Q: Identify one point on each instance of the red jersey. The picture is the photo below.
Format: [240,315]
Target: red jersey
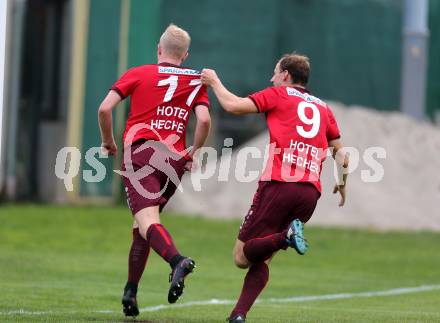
[300,126]
[162,97]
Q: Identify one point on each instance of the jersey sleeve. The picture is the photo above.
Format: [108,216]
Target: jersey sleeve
[332,128]
[126,83]
[202,98]
[265,100]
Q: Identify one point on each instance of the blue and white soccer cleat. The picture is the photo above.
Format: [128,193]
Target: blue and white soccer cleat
[295,237]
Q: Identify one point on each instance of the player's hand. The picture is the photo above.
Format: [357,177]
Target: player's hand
[188,165]
[191,165]
[341,190]
[208,77]
[109,149]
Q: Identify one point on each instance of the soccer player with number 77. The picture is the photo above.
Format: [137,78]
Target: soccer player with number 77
[163,95]
[301,128]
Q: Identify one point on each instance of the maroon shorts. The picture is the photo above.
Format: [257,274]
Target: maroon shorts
[275,205]
[158,173]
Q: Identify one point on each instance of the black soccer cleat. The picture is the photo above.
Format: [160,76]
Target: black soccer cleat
[177,276]
[129,303]
[240,318]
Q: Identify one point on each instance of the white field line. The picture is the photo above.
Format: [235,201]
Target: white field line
[297,299]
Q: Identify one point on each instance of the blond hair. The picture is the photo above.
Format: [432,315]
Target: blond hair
[175,41]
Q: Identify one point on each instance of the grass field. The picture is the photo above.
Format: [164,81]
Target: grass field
[62,264]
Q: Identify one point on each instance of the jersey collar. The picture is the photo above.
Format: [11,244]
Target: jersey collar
[168,64]
[301,89]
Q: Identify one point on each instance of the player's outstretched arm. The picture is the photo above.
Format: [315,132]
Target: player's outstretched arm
[203,125]
[342,160]
[228,100]
[105,122]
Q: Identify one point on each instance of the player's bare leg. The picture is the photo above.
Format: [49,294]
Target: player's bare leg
[145,218]
[255,281]
[240,259]
[160,240]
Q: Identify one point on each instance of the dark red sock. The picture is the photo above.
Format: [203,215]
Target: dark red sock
[260,249]
[254,282]
[160,240]
[137,258]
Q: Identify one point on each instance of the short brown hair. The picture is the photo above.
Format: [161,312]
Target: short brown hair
[175,41]
[298,67]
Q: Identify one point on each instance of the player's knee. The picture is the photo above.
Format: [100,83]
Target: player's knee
[143,228]
[143,232]
[240,261]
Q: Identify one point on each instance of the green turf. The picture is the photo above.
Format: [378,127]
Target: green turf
[71,262]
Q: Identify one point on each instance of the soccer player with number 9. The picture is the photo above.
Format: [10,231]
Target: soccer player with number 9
[301,128]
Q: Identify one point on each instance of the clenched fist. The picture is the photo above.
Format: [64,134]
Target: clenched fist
[209,77]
